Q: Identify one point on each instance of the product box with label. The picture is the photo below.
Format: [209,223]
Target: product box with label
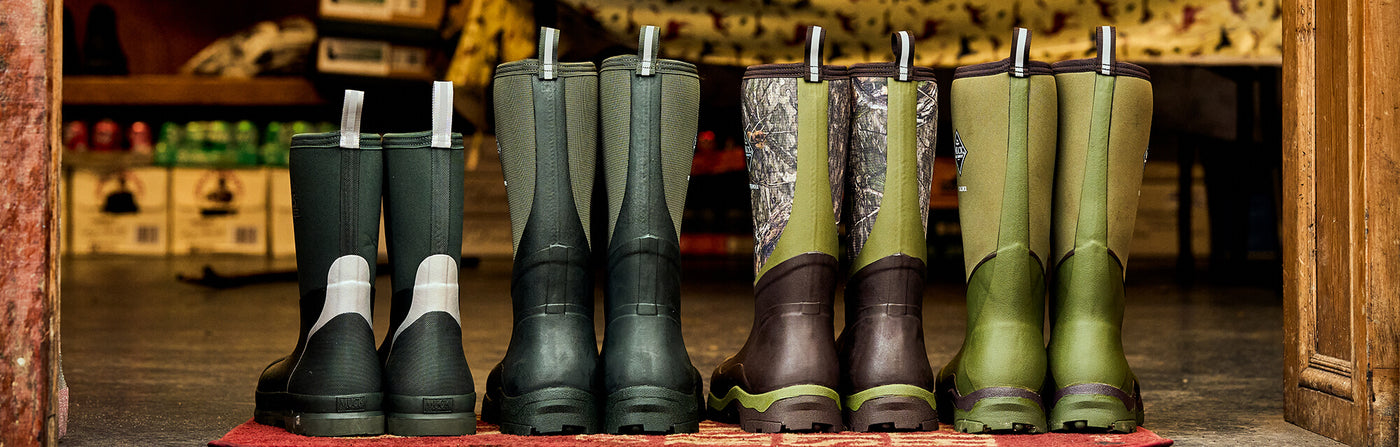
[218,211]
[408,13]
[360,57]
[121,211]
[280,228]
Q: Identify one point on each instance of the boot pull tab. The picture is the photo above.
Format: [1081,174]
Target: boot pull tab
[442,114]
[903,44]
[1106,41]
[350,119]
[549,53]
[1020,51]
[648,46]
[813,56]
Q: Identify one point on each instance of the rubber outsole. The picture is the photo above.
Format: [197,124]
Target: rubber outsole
[312,415]
[893,413]
[796,414]
[1093,413]
[548,411]
[452,415]
[652,410]
[1001,415]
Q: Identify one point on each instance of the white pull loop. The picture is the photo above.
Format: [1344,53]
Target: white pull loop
[549,53]
[442,114]
[1105,40]
[648,46]
[903,45]
[350,112]
[1020,51]
[813,57]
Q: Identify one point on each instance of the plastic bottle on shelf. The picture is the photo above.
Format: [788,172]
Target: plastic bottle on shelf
[276,143]
[75,136]
[106,136]
[244,145]
[172,137]
[139,135]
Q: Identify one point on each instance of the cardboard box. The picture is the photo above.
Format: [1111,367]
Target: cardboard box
[218,211]
[280,228]
[486,235]
[123,211]
[409,13]
[338,55]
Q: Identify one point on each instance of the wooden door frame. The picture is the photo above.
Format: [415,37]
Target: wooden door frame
[1352,399]
[30,87]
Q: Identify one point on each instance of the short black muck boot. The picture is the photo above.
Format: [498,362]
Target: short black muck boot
[330,384]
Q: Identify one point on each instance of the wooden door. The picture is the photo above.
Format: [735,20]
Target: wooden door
[1341,193]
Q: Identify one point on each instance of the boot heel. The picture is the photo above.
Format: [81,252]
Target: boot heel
[652,410]
[1001,415]
[1093,413]
[892,408]
[431,415]
[800,414]
[549,411]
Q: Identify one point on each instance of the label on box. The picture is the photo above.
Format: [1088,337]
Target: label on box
[366,9]
[219,211]
[120,211]
[412,8]
[354,56]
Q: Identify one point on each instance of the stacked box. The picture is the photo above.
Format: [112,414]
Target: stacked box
[218,211]
[405,13]
[121,211]
[485,211]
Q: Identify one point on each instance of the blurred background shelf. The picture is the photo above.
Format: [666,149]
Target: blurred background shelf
[181,90]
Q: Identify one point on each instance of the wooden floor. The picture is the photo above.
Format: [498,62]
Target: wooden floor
[153,361]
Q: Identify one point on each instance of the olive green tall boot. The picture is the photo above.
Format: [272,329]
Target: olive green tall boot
[428,388]
[1105,121]
[650,114]
[547,133]
[330,385]
[886,381]
[1004,143]
[796,129]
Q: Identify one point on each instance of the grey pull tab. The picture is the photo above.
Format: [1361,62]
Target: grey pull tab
[813,57]
[648,46]
[442,114]
[1106,41]
[1020,51]
[350,119]
[903,45]
[549,53]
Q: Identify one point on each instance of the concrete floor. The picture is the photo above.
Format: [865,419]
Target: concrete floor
[153,361]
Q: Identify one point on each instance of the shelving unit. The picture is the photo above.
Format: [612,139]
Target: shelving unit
[181,90]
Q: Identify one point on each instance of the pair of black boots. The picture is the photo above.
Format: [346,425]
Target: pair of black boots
[553,379]
[334,383]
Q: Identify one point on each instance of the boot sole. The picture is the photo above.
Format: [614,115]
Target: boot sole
[307,415]
[548,411]
[652,410]
[794,409]
[1093,413]
[892,408]
[431,415]
[997,415]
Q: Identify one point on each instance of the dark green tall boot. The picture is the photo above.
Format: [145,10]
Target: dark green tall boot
[796,129]
[330,385]
[1105,120]
[887,383]
[649,128]
[546,130]
[428,388]
[1004,141]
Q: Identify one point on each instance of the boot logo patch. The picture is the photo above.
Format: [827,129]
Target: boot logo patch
[959,151]
[351,403]
[437,405]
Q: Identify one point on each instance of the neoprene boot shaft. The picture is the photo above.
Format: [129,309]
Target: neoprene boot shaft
[796,127]
[887,383]
[546,114]
[427,384]
[1004,124]
[330,385]
[1105,122]
[650,114]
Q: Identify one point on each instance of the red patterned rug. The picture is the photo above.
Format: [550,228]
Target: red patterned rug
[252,434]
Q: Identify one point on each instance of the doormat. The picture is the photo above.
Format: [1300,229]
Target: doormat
[252,434]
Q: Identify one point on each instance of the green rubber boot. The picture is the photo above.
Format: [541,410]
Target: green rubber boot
[428,388]
[330,385]
[547,124]
[887,383]
[796,129]
[1004,141]
[649,128]
[1105,121]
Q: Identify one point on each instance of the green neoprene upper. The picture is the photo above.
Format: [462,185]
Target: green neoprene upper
[899,227]
[811,227]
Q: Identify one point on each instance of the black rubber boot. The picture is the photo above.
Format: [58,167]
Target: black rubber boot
[546,114]
[649,134]
[887,383]
[796,129]
[428,388]
[330,385]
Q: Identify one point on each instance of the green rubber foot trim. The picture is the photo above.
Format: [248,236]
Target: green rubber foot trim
[854,401]
[1001,415]
[761,402]
[1093,413]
